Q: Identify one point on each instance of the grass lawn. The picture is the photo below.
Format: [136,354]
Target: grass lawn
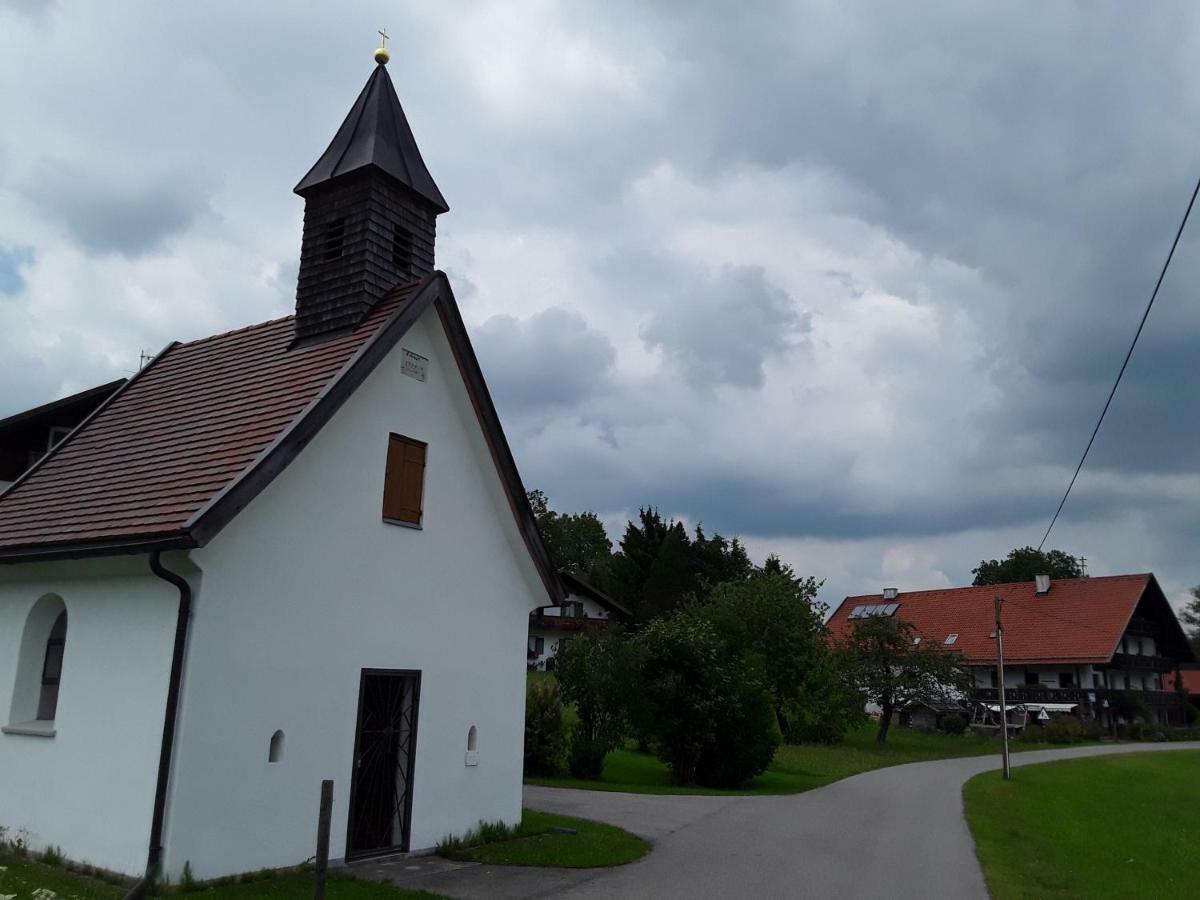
[1112,826]
[796,768]
[536,844]
[21,877]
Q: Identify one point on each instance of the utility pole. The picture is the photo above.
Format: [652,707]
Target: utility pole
[1000,681]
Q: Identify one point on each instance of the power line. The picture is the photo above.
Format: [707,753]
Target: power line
[1128,354]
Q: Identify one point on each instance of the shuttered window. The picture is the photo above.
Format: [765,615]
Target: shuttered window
[404,483]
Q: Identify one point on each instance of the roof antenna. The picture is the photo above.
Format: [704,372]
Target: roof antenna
[381,54]
[1083,573]
[143,358]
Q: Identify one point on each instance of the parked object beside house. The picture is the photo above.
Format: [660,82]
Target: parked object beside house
[584,609]
[292,552]
[1099,647]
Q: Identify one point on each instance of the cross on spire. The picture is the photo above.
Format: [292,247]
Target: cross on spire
[383,36]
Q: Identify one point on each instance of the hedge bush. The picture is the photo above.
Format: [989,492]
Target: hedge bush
[953,724]
[545,728]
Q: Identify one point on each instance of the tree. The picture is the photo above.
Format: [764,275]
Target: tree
[1023,563]
[593,672]
[653,574]
[1190,617]
[889,668]
[772,623]
[576,541]
[704,707]
[545,727]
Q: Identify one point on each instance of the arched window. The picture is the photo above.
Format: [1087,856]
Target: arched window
[472,739]
[52,669]
[275,754]
[40,665]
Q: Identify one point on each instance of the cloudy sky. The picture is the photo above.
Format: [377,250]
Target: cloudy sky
[849,282]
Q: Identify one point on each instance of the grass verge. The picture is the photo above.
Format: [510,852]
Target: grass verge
[796,768]
[1110,826]
[23,876]
[577,844]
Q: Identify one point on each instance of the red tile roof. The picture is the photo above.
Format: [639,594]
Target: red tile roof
[188,426]
[1078,621]
[1191,681]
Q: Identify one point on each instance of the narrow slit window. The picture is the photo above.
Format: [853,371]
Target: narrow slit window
[52,669]
[335,239]
[275,753]
[404,481]
[472,739]
[402,250]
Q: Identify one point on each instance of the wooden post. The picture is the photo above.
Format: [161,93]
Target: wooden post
[1000,679]
[323,820]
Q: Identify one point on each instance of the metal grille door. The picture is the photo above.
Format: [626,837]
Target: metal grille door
[381,790]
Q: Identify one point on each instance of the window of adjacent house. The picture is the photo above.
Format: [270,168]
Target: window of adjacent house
[537,645]
[1031,678]
[1066,679]
[54,438]
[950,639]
[404,481]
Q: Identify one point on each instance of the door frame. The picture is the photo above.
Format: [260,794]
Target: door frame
[403,846]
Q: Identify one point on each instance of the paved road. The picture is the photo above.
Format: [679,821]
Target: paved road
[894,833]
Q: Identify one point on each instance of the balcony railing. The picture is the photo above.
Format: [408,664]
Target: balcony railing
[1035,695]
[1145,663]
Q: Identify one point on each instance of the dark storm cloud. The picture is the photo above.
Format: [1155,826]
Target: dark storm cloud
[1044,150]
[110,214]
[721,329]
[550,359]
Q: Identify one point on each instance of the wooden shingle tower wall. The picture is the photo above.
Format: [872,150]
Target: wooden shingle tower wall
[370,215]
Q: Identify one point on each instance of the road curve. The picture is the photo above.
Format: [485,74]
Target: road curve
[897,832]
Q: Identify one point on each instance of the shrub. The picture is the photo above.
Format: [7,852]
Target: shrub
[954,724]
[1130,706]
[1065,730]
[703,707]
[825,709]
[593,674]
[1191,713]
[1032,734]
[545,728]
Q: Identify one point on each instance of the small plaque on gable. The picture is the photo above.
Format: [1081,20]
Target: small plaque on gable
[414,365]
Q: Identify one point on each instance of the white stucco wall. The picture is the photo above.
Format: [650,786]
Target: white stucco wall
[308,586]
[89,789]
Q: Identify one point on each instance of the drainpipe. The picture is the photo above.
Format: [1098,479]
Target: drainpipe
[154,857]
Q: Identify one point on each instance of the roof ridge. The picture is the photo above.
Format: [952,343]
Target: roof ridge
[1005,584]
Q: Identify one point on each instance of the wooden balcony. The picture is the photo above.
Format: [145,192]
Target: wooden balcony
[1143,663]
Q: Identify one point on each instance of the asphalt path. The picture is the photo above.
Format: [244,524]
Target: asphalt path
[891,833]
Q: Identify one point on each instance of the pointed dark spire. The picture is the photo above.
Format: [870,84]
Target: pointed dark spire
[376,133]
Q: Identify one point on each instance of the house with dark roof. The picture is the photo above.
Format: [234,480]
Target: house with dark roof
[296,551]
[584,609]
[1093,646]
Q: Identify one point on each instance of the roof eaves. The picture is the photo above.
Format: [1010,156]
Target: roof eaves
[599,596]
[84,549]
[208,521]
[485,411]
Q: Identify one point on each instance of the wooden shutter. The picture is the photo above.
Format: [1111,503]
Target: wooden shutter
[404,483]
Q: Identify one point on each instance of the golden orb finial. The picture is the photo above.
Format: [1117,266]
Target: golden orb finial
[381,54]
